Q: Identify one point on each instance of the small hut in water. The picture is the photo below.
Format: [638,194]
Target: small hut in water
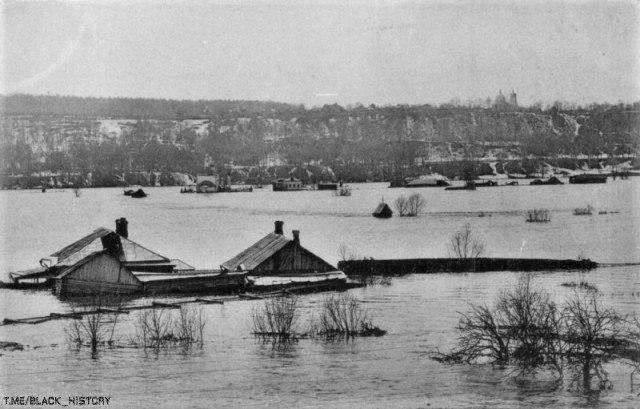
[383,211]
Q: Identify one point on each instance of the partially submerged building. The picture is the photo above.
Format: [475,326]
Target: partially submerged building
[107,261]
[382,211]
[274,254]
[277,262]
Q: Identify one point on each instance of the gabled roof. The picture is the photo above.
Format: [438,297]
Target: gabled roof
[91,243]
[134,252]
[382,207]
[258,253]
[82,243]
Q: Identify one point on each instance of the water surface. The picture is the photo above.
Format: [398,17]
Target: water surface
[420,312]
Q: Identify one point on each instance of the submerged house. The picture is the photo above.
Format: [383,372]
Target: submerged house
[382,211]
[274,254]
[275,262]
[108,262]
[284,185]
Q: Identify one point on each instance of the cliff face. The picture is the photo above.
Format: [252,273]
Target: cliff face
[160,135]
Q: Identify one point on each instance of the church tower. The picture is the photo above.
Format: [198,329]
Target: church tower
[513,99]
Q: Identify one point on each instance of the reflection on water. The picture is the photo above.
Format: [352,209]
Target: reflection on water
[419,311]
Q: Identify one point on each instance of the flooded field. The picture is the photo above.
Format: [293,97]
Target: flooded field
[420,312]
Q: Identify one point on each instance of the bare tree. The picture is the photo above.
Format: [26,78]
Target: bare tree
[527,329]
[532,321]
[410,206]
[481,336]
[464,244]
[593,334]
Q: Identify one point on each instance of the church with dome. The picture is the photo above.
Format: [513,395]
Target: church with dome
[501,103]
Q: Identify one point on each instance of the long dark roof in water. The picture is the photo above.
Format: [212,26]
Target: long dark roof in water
[253,256]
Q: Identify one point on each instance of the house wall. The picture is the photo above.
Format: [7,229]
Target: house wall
[103,274]
[292,259]
[223,283]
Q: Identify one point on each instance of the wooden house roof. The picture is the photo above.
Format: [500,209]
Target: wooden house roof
[91,243]
[253,256]
[82,243]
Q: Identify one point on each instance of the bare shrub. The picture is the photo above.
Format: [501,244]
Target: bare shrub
[96,324]
[401,205]
[538,216]
[343,316]
[161,328]
[464,244]
[416,204]
[189,326]
[153,328]
[410,206]
[277,318]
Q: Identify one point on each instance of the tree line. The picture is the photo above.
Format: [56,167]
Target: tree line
[61,134]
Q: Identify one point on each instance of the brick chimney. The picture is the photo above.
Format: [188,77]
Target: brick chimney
[121,227]
[278,229]
[296,236]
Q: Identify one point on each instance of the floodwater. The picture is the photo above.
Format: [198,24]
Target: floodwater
[420,312]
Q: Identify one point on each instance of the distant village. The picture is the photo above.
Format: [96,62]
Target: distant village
[69,141]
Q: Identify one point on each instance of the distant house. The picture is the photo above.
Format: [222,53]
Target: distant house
[383,211]
[283,185]
[274,254]
[207,183]
[108,262]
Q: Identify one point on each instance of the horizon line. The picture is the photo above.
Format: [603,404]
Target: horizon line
[455,101]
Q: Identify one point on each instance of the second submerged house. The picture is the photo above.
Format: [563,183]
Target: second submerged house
[274,254]
[275,262]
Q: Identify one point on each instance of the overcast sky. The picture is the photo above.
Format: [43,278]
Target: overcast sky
[323,52]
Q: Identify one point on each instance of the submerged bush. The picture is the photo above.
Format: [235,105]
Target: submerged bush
[277,318]
[528,330]
[343,316]
[95,325]
[340,316]
[465,244]
[411,206]
[160,327]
